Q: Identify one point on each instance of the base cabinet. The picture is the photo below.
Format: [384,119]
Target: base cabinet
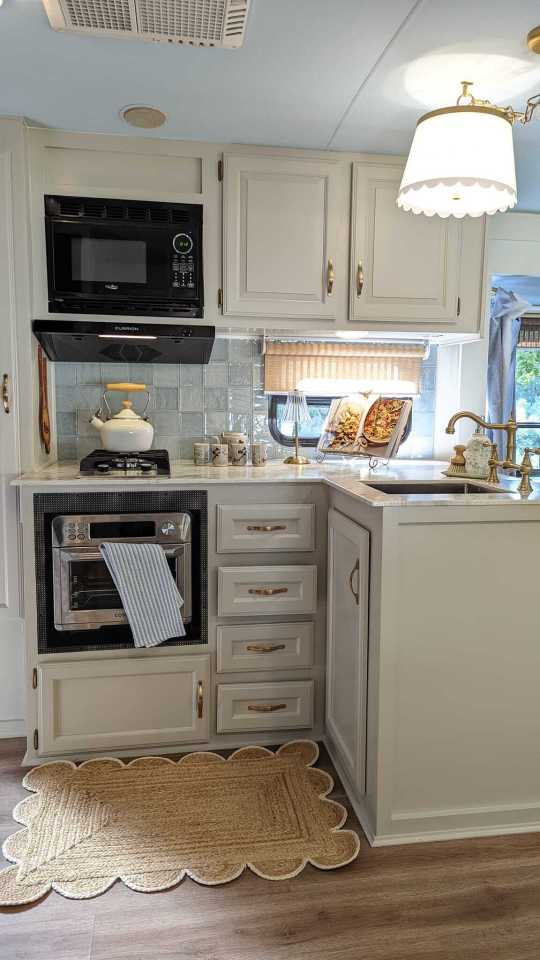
[117,703]
[346,670]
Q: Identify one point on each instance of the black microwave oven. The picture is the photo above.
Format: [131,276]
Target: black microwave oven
[126,257]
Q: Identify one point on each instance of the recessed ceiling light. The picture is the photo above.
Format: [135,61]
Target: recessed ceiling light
[144,117]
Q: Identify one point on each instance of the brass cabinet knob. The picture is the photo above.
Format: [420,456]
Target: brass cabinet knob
[330,278]
[267,591]
[200,700]
[359,279]
[264,647]
[266,528]
[5,393]
[266,707]
[355,593]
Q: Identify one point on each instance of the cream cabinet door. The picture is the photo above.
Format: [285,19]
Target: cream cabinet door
[12,251]
[415,270]
[285,237]
[122,702]
[347,638]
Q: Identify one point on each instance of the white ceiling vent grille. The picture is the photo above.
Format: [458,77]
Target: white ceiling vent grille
[206,23]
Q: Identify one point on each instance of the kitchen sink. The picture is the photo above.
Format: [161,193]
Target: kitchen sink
[435,488]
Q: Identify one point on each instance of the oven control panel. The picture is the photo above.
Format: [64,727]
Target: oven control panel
[90,530]
[183,262]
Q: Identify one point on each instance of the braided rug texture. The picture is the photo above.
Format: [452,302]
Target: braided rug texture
[153,821]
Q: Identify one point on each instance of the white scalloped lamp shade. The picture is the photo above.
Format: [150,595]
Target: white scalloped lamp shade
[461,163]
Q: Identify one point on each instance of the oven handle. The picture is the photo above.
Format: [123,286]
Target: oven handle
[86,553]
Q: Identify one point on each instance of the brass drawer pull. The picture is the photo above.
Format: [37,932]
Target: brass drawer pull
[200,700]
[265,647]
[5,393]
[330,277]
[267,591]
[359,279]
[268,528]
[266,707]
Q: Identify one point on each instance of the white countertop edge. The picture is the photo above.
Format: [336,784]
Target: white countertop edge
[347,477]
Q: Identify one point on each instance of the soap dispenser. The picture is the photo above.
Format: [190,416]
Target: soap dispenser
[477,454]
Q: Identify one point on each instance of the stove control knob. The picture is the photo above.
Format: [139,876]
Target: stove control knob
[168,528]
[103,467]
[145,466]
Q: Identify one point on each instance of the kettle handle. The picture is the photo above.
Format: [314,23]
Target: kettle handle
[126,388]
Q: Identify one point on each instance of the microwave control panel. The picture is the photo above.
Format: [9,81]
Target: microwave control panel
[183,264]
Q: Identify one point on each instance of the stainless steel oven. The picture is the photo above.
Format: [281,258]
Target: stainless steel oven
[85,597]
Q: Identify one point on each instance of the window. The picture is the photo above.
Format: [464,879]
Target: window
[325,370]
[528,385]
[309,433]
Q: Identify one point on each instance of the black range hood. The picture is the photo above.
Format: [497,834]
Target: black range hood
[130,342]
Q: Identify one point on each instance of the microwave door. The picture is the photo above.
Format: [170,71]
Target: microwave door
[85,596]
[109,261]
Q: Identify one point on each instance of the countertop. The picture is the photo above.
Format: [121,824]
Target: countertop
[350,477]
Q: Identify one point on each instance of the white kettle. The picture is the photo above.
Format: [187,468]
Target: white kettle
[126,431]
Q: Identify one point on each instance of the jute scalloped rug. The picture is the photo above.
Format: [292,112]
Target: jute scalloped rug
[153,821]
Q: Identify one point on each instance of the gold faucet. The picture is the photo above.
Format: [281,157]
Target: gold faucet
[510,429]
[524,468]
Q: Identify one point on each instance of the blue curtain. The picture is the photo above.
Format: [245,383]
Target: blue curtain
[506,312]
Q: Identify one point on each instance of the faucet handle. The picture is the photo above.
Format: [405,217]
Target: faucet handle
[493,463]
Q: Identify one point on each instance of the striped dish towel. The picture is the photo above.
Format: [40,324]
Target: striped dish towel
[147,589]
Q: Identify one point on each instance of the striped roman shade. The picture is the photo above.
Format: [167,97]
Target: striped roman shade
[529,333]
[287,365]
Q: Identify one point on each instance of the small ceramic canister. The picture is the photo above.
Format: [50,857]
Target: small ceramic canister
[220,455]
[238,453]
[201,453]
[259,454]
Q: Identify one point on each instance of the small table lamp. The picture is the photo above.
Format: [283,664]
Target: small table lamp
[296,411]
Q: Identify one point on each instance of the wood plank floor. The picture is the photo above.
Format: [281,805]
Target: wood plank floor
[463,900]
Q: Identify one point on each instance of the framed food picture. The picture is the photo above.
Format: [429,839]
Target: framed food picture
[366,425]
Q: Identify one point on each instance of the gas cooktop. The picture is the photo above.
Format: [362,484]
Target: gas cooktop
[107,463]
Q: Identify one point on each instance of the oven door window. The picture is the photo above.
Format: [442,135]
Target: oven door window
[91,586]
[112,261]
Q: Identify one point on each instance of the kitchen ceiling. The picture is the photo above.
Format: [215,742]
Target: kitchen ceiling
[346,75]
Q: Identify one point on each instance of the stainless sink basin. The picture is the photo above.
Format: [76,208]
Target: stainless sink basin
[433,489]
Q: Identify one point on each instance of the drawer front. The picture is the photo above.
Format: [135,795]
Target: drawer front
[264,706]
[264,646]
[264,591]
[278,526]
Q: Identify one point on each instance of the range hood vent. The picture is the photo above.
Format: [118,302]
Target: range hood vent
[82,341]
[203,23]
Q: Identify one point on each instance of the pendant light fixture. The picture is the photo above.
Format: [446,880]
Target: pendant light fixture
[461,161]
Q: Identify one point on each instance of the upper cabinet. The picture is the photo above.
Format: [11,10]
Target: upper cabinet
[289,228]
[285,237]
[411,272]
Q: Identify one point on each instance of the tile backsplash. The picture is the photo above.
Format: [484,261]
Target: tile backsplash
[192,400]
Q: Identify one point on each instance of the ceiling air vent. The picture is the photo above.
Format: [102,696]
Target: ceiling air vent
[203,23]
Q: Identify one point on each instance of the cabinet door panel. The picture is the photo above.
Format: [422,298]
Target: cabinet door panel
[283,221]
[346,677]
[100,704]
[410,264]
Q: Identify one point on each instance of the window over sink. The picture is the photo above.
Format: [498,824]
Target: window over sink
[312,370]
